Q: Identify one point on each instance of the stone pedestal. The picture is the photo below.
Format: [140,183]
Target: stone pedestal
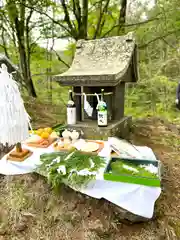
[91,130]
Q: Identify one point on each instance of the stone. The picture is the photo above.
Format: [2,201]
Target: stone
[123,216]
[2,238]
[3,229]
[91,130]
[102,62]
[108,64]
[20,227]
[96,226]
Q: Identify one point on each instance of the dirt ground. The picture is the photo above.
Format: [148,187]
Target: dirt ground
[29,210]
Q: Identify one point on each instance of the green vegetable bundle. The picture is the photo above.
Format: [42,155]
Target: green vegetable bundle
[118,168]
[73,163]
[59,128]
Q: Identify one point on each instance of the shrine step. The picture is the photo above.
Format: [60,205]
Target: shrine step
[91,130]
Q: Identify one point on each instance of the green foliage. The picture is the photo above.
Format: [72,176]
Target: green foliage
[158,42]
[118,168]
[152,97]
[73,162]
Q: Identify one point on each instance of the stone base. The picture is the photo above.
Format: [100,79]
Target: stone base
[125,216]
[91,130]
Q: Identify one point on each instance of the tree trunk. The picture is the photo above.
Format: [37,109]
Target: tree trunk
[31,88]
[84,19]
[122,17]
[25,68]
[4,43]
[17,17]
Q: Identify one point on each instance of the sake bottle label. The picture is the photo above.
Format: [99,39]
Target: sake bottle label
[71,115]
[102,114]
[102,118]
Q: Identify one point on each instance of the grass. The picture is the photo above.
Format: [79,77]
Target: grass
[29,210]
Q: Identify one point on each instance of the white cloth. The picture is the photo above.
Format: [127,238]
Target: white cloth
[135,198]
[14,119]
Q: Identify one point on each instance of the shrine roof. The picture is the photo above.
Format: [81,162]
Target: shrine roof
[102,62]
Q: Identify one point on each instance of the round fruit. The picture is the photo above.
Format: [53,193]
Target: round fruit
[49,130]
[39,131]
[45,135]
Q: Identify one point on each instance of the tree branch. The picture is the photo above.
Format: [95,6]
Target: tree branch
[4,44]
[67,19]
[77,12]
[99,20]
[159,38]
[166,42]
[131,25]
[60,59]
[33,44]
[53,20]
[105,10]
[122,16]
[28,52]
[84,28]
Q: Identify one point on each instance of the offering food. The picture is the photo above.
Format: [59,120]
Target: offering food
[63,145]
[48,130]
[90,147]
[66,134]
[43,138]
[54,135]
[45,135]
[33,138]
[74,135]
[39,131]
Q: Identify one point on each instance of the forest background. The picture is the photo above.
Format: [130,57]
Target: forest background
[40,38]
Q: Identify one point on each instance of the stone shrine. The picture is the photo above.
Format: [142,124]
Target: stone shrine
[108,64]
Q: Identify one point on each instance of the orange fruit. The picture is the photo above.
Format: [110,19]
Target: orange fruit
[45,135]
[49,130]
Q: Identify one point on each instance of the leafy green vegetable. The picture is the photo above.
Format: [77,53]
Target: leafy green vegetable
[59,128]
[117,168]
[73,162]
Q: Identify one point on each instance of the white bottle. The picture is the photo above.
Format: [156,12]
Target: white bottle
[71,110]
[102,112]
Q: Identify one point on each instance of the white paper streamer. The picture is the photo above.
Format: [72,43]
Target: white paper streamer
[87,106]
[14,119]
[98,100]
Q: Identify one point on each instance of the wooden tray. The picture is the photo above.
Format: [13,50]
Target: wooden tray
[38,145]
[101,146]
[19,158]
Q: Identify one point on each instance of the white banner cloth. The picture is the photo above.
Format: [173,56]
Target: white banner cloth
[135,198]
